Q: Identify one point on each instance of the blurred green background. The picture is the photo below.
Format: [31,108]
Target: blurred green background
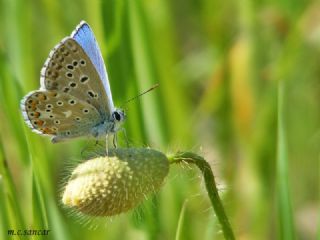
[239,84]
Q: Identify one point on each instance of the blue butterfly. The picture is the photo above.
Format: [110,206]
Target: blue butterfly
[74,99]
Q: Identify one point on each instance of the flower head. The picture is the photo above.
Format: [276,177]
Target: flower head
[113,184]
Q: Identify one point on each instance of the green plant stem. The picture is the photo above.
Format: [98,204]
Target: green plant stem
[212,190]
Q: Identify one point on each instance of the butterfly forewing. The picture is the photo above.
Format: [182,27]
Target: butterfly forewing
[86,39]
[69,70]
[59,114]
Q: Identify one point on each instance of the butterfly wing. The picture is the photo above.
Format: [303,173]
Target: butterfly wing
[69,69]
[86,39]
[75,95]
[58,114]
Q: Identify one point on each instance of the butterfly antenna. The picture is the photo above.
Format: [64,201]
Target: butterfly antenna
[150,89]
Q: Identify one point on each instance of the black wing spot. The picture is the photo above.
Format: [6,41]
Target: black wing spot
[72,102]
[66,89]
[69,75]
[69,66]
[91,94]
[84,79]
[58,67]
[73,84]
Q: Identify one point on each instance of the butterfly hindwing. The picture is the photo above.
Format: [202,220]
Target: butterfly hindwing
[69,70]
[59,114]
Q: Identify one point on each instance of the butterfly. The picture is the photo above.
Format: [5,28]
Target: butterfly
[74,99]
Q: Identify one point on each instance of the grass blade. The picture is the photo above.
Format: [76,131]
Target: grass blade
[286,229]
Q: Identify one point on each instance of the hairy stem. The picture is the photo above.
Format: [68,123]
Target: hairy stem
[212,190]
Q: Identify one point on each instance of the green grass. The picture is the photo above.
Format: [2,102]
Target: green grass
[286,230]
[239,84]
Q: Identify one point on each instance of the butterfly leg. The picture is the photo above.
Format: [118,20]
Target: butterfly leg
[125,135]
[115,140]
[107,144]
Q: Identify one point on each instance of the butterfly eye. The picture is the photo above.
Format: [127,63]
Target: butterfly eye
[117,116]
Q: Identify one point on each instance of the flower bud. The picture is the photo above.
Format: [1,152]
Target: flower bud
[113,184]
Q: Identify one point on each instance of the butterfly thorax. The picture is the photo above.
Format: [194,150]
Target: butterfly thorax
[110,125]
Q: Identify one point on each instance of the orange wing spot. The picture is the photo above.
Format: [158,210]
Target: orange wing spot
[42,97]
[48,131]
[33,104]
[39,122]
[32,107]
[36,114]
[52,94]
